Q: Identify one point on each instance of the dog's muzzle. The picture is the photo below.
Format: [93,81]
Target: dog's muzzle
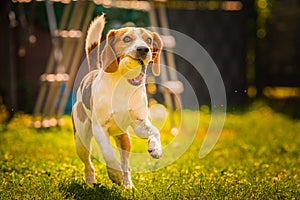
[142,52]
[140,79]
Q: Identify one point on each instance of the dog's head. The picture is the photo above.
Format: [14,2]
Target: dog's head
[137,43]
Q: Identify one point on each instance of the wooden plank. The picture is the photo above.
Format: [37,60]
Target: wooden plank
[169,54]
[163,71]
[69,46]
[76,58]
[50,66]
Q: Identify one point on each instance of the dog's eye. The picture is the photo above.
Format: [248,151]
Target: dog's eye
[127,39]
[149,40]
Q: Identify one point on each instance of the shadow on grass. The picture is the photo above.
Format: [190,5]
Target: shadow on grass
[98,191]
[289,107]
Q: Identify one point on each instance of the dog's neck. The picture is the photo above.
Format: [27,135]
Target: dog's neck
[119,83]
[121,91]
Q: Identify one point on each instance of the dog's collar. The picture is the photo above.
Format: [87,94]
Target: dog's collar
[140,79]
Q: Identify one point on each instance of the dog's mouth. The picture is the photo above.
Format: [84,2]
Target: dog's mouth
[139,79]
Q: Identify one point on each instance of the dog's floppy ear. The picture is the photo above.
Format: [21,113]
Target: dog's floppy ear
[109,60]
[156,50]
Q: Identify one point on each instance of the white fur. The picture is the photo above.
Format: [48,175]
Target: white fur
[93,36]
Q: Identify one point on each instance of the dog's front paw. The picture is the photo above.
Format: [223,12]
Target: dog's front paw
[128,184]
[154,147]
[127,180]
[155,153]
[115,175]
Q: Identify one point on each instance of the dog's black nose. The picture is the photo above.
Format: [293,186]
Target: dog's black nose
[142,52]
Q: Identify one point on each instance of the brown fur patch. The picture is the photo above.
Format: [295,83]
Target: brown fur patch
[125,142]
[92,46]
[73,123]
[86,88]
[91,102]
[81,112]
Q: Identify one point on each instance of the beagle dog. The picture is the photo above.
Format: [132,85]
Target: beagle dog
[108,101]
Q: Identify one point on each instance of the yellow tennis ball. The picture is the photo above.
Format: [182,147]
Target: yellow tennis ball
[130,68]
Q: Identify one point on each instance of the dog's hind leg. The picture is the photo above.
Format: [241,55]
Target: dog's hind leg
[83,136]
[83,151]
[124,145]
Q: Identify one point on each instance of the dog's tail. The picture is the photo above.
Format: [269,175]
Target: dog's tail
[93,40]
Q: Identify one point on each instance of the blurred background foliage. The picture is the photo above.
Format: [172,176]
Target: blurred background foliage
[256,48]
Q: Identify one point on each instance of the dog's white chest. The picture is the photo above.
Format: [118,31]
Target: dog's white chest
[114,106]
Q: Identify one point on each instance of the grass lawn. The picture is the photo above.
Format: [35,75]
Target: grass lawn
[256,157]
